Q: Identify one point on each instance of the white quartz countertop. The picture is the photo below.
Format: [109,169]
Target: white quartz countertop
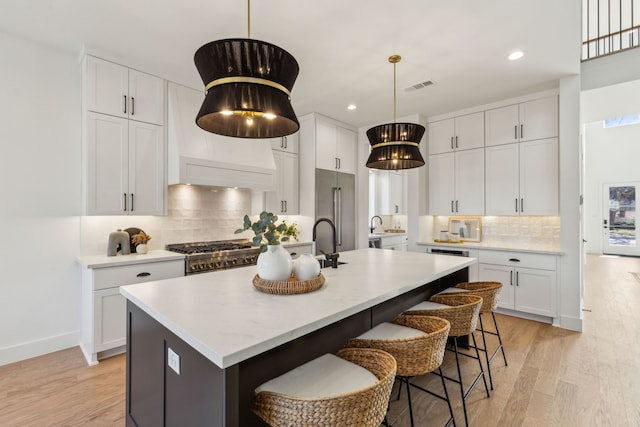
[225,318]
[101,261]
[515,246]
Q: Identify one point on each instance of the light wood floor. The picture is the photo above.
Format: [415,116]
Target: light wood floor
[555,377]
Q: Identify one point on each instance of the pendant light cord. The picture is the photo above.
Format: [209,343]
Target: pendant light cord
[394,92]
[248,19]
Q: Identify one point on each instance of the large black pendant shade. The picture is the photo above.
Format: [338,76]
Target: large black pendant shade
[248,86]
[395,146]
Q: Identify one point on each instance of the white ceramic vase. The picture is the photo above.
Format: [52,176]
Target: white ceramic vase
[142,248]
[306,267]
[275,263]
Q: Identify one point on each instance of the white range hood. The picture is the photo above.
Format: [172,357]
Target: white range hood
[203,158]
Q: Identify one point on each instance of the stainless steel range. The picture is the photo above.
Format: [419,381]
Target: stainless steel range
[203,257]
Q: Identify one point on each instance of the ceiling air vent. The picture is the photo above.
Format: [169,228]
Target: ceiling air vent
[419,86]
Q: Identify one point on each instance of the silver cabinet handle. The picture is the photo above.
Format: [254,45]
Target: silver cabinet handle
[286,144]
[521,131]
[515,132]
[133,105]
[517,278]
[131,202]
[124,197]
[336,159]
[456,206]
[286,208]
[521,205]
[339,163]
[516,204]
[456,141]
[281,206]
[511,278]
[125,104]
[452,211]
[452,143]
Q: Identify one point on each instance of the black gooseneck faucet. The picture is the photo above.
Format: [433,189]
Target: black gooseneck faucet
[334,255]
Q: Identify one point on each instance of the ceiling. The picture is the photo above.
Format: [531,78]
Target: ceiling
[342,46]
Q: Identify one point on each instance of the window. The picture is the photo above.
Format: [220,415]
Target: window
[622,121]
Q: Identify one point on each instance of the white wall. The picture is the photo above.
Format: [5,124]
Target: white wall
[39,221]
[603,148]
[611,156]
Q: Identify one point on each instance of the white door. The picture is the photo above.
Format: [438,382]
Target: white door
[441,184]
[504,275]
[620,235]
[346,142]
[441,136]
[502,192]
[147,160]
[469,185]
[539,177]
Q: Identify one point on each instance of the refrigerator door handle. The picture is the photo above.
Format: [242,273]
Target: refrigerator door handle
[339,217]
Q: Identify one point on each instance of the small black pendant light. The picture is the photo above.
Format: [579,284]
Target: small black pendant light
[395,145]
[248,87]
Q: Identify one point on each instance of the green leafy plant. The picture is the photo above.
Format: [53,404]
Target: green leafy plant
[265,229]
[290,230]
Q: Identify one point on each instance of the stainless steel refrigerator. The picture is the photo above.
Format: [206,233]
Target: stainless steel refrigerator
[336,200]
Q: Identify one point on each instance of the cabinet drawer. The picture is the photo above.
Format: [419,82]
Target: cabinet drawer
[393,240]
[110,277]
[540,261]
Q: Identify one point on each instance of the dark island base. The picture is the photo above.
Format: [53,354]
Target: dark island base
[205,395]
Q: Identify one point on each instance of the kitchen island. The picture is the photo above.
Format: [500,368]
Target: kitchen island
[197,346]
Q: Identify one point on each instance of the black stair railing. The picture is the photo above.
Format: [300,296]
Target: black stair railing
[609,26]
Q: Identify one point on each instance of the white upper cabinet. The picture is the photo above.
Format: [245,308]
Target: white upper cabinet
[522,178]
[528,121]
[285,199]
[125,166]
[456,183]
[123,92]
[460,133]
[287,143]
[389,196]
[335,147]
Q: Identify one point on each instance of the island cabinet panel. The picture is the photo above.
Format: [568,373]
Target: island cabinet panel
[145,368]
[205,394]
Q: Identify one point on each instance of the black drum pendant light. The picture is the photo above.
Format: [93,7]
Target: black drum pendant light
[395,145]
[248,87]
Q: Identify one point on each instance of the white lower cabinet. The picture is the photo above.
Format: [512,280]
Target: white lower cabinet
[529,281]
[395,243]
[297,249]
[104,319]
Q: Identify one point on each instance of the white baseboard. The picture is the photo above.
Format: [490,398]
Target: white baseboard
[571,323]
[35,348]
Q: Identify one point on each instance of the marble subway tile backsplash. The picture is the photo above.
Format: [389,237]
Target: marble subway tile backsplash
[194,213]
[536,230]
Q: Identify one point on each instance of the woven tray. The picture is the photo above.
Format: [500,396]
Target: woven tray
[288,287]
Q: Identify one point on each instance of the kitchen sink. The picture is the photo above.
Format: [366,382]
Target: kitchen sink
[325,263]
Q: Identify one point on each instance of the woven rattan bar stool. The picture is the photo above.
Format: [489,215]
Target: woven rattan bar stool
[488,291]
[350,388]
[462,312]
[417,343]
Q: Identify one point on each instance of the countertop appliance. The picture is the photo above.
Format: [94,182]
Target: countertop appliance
[336,200]
[203,257]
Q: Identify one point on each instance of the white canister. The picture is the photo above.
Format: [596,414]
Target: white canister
[306,267]
[455,237]
[275,263]
[444,236]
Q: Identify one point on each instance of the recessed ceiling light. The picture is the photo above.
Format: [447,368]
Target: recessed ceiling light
[516,55]
[351,107]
